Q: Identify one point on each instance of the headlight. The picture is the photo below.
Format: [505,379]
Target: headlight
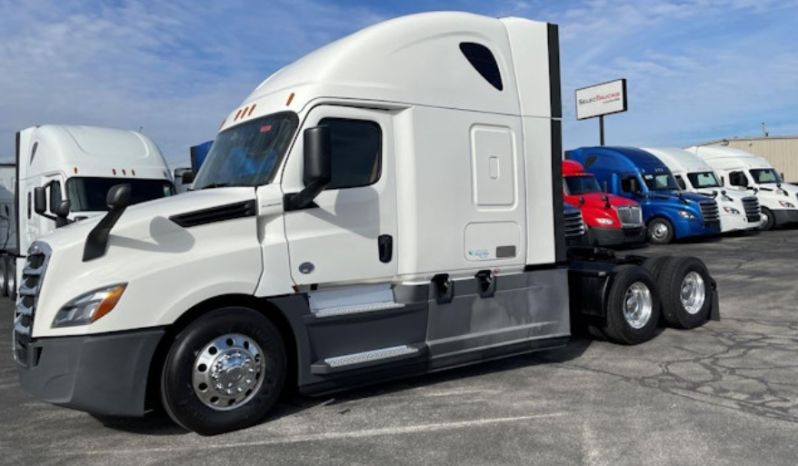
[731,210]
[686,214]
[605,221]
[786,204]
[89,307]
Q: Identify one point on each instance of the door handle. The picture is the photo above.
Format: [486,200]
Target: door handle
[385,248]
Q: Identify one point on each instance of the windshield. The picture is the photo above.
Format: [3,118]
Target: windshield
[247,154]
[661,182]
[765,175]
[575,185]
[704,180]
[89,194]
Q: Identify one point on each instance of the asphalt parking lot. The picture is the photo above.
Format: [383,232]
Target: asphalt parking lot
[726,393]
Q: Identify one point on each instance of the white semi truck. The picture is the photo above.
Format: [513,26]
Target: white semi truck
[745,172]
[63,174]
[387,206]
[738,210]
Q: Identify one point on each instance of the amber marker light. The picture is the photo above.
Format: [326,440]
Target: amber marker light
[108,303]
[290,99]
[251,109]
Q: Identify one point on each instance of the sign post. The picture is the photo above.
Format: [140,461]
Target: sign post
[599,100]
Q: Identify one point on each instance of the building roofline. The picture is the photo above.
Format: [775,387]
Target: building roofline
[745,138]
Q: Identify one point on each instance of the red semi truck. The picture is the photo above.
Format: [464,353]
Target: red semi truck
[611,220]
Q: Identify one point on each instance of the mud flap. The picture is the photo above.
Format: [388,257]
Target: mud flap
[714,312]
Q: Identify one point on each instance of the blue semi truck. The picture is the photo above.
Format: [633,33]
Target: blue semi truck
[668,212]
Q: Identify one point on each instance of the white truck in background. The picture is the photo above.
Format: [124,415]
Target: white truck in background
[746,172]
[63,174]
[738,211]
[387,206]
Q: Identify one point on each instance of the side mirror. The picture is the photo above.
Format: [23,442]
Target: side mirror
[605,187]
[118,196]
[722,181]
[317,173]
[318,160]
[62,208]
[187,177]
[61,211]
[581,201]
[634,185]
[40,200]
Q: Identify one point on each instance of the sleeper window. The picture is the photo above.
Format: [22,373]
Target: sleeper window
[356,152]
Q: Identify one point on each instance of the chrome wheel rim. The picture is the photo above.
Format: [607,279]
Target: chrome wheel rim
[693,292]
[228,372]
[637,305]
[660,231]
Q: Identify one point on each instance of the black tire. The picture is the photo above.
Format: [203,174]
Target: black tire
[3,276]
[770,220]
[685,288]
[654,265]
[240,328]
[11,281]
[632,284]
[660,231]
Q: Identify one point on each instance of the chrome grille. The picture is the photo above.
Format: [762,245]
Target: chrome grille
[752,210]
[709,211]
[630,216]
[574,226]
[31,283]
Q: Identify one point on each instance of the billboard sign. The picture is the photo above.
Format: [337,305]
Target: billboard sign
[601,99]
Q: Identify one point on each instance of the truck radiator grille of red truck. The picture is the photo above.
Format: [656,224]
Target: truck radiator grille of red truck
[630,216]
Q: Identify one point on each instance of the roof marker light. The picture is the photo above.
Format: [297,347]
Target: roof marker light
[238,114]
[76,170]
[133,172]
[124,172]
[290,99]
[251,109]
[113,170]
[223,122]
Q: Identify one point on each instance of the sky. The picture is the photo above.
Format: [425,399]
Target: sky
[696,70]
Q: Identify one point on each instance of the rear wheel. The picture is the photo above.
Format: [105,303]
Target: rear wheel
[654,265]
[11,281]
[224,372]
[686,291]
[660,231]
[3,276]
[768,220]
[633,306]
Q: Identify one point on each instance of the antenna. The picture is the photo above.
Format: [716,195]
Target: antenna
[765,130]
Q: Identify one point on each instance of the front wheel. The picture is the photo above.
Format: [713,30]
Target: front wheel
[633,306]
[768,220]
[660,231]
[224,372]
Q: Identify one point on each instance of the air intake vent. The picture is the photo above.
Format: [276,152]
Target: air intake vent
[574,226]
[31,284]
[752,210]
[710,212]
[215,214]
[630,216]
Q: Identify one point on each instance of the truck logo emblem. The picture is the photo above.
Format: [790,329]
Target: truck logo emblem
[306,267]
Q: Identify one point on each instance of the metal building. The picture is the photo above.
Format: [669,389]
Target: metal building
[780,151]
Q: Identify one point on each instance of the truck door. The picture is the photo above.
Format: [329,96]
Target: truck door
[349,234]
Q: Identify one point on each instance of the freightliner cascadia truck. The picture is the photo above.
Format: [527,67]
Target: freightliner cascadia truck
[62,174]
[611,220]
[387,206]
[738,211]
[745,172]
[668,212]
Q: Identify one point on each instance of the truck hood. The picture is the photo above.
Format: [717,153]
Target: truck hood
[594,201]
[151,218]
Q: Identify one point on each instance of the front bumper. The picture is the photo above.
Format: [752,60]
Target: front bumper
[617,236]
[786,216]
[101,374]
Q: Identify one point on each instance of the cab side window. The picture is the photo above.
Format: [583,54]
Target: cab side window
[630,184]
[738,179]
[356,148]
